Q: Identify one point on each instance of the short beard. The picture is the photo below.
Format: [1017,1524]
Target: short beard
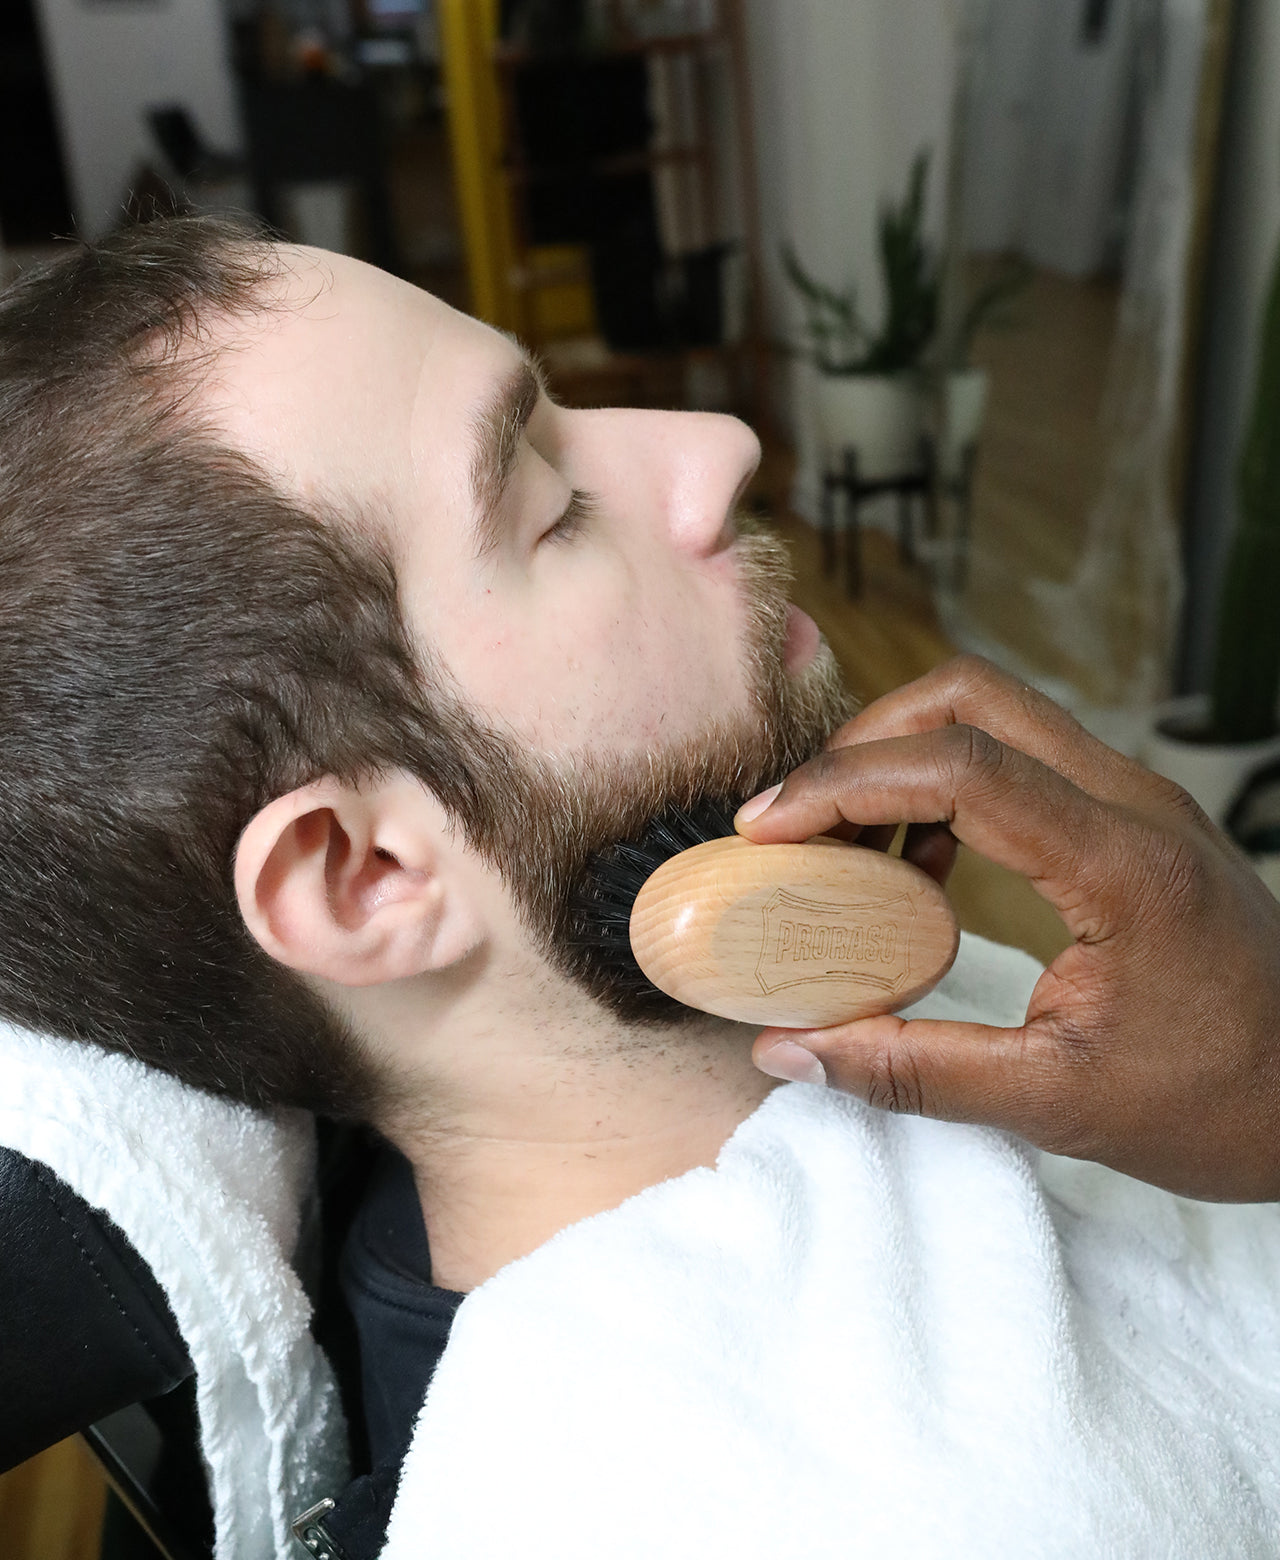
[540,820]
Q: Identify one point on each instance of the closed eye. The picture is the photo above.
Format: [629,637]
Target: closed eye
[581,507]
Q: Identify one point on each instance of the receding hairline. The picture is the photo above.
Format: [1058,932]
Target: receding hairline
[275,279]
[292,283]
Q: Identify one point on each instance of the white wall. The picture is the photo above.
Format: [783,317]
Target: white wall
[845,93]
[1248,233]
[1080,145]
[108,64]
[1003,121]
[1047,133]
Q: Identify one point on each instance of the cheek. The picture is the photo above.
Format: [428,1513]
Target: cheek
[613,660]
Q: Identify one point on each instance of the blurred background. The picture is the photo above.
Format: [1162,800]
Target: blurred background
[990,277]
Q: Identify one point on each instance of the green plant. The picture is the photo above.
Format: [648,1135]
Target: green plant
[841,341]
[1246,679]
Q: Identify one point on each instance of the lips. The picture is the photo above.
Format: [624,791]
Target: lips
[802,639]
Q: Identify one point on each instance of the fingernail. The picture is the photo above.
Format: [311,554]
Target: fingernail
[750,811]
[793,1063]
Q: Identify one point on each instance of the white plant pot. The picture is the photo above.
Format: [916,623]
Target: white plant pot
[881,417]
[966,410]
[1214,772]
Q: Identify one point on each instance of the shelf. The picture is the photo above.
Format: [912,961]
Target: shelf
[628,291]
[528,278]
[577,355]
[607,167]
[511,56]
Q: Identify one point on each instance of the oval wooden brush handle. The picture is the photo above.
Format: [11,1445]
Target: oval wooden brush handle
[796,935]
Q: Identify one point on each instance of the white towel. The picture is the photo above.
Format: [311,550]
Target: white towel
[859,1335]
[866,1335]
[211,1195]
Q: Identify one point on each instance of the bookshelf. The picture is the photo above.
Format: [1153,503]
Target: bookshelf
[608,203]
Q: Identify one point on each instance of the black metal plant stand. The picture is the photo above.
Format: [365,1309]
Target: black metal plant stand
[844,492]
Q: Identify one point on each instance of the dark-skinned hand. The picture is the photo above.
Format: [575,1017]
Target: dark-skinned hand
[1152,1044]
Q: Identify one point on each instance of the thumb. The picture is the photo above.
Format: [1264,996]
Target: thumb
[921,1067]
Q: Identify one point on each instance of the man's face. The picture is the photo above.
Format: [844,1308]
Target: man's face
[577,575]
[612,624]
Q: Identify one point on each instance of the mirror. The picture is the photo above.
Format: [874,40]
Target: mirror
[1085,136]
[1072,147]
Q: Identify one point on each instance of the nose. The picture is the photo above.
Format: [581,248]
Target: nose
[716,458]
[692,469]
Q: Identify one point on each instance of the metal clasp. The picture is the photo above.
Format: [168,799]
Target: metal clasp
[311,1533]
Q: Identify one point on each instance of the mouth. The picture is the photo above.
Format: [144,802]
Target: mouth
[802,641]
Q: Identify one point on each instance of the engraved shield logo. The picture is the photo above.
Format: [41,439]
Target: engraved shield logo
[864,942]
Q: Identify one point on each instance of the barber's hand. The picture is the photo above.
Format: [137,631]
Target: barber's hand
[1151,1044]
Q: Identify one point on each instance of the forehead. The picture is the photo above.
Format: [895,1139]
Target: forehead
[356,386]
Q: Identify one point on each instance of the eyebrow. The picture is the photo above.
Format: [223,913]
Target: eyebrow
[497,430]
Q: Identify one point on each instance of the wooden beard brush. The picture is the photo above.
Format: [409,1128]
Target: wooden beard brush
[691,915]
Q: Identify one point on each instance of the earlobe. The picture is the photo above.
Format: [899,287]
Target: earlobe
[349,884]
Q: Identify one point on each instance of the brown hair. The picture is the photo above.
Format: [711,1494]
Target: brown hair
[179,643]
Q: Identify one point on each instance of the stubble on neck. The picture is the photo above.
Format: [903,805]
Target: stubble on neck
[576,1135]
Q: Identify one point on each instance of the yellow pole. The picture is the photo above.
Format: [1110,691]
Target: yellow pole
[468,30]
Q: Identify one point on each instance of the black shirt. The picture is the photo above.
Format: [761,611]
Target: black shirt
[402,1322]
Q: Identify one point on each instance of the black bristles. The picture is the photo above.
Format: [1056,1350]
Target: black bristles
[598,940]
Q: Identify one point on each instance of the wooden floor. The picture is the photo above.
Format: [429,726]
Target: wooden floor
[1042,463]
[51,1507]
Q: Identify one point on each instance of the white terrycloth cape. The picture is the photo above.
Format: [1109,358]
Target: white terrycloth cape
[865,1335]
[859,1335]
[211,1195]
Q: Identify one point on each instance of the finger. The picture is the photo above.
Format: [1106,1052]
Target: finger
[932,847]
[925,1067]
[1012,809]
[968,690]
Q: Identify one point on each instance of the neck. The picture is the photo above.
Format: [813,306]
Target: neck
[562,1121]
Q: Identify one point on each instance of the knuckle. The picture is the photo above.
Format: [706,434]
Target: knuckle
[1180,876]
[825,772]
[893,1081]
[1160,878]
[966,667]
[1173,799]
[970,751]
[968,674]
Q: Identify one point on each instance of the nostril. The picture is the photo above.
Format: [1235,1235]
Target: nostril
[728,533]
[751,464]
[729,530]
[740,492]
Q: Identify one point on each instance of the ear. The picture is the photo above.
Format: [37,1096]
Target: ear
[355,885]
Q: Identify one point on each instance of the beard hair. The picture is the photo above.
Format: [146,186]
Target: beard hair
[540,820]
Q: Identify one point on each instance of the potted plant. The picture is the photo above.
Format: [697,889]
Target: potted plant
[872,384]
[1212,746]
